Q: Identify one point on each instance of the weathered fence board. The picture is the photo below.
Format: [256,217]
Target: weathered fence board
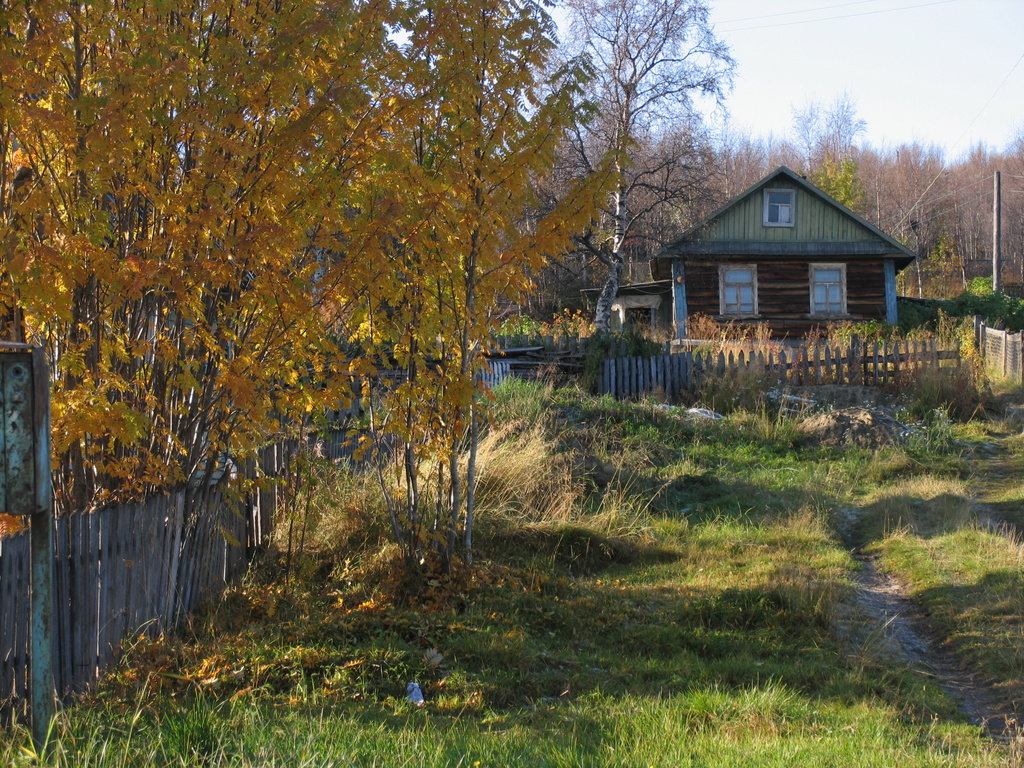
[629,377]
[129,569]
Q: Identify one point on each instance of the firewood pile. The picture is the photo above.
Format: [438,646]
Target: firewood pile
[540,361]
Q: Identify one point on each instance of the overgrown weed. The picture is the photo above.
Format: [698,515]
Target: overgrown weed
[962,391]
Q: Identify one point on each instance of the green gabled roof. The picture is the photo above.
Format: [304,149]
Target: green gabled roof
[822,227]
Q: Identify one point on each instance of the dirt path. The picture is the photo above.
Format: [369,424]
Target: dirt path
[907,636]
[904,630]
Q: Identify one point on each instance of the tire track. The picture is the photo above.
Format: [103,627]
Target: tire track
[909,636]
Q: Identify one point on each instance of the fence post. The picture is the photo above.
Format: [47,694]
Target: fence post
[856,363]
[42,691]
[1005,350]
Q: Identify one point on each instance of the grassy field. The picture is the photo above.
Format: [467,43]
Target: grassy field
[958,547]
[662,592]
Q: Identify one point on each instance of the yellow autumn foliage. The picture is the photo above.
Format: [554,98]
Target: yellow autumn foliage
[207,205]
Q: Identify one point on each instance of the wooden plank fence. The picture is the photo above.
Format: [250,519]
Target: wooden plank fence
[875,363]
[498,371]
[127,570]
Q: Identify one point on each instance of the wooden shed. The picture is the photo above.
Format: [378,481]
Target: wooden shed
[783,253]
[644,306]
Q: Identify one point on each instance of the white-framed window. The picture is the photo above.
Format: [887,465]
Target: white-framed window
[779,207]
[737,289]
[828,289]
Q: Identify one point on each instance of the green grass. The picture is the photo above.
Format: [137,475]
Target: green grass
[967,575]
[971,582]
[674,605]
[766,725]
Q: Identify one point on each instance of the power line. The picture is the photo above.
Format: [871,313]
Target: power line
[933,200]
[842,16]
[949,209]
[961,136]
[791,13]
[939,214]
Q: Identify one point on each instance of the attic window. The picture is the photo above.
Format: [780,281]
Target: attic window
[778,207]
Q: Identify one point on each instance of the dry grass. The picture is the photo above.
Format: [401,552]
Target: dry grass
[522,478]
[731,336]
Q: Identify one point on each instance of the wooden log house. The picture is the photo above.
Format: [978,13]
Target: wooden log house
[786,254]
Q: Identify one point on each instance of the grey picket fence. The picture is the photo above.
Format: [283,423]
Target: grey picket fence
[130,570]
[670,375]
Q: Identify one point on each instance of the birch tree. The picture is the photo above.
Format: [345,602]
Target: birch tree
[650,58]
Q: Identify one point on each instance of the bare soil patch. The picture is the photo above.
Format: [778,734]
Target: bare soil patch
[874,427]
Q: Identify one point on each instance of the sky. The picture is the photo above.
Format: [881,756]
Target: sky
[943,72]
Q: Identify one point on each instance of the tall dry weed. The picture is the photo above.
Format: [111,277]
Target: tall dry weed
[731,335]
[523,479]
[736,389]
[962,390]
[527,481]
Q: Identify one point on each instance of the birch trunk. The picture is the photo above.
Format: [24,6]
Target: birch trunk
[615,261]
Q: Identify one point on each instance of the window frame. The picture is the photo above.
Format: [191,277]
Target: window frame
[792,207]
[722,269]
[814,311]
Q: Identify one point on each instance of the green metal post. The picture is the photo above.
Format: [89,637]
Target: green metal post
[42,686]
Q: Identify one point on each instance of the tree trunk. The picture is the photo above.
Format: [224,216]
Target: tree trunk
[603,313]
[471,478]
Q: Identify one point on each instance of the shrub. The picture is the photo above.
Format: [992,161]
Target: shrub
[571,323]
[520,325]
[996,308]
[980,286]
[841,334]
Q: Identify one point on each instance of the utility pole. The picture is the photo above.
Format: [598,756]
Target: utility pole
[997,234]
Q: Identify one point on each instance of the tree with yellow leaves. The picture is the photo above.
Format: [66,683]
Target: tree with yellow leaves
[489,126]
[172,175]
[206,201]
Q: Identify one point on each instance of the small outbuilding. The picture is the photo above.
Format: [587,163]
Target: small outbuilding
[643,306]
[783,253]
